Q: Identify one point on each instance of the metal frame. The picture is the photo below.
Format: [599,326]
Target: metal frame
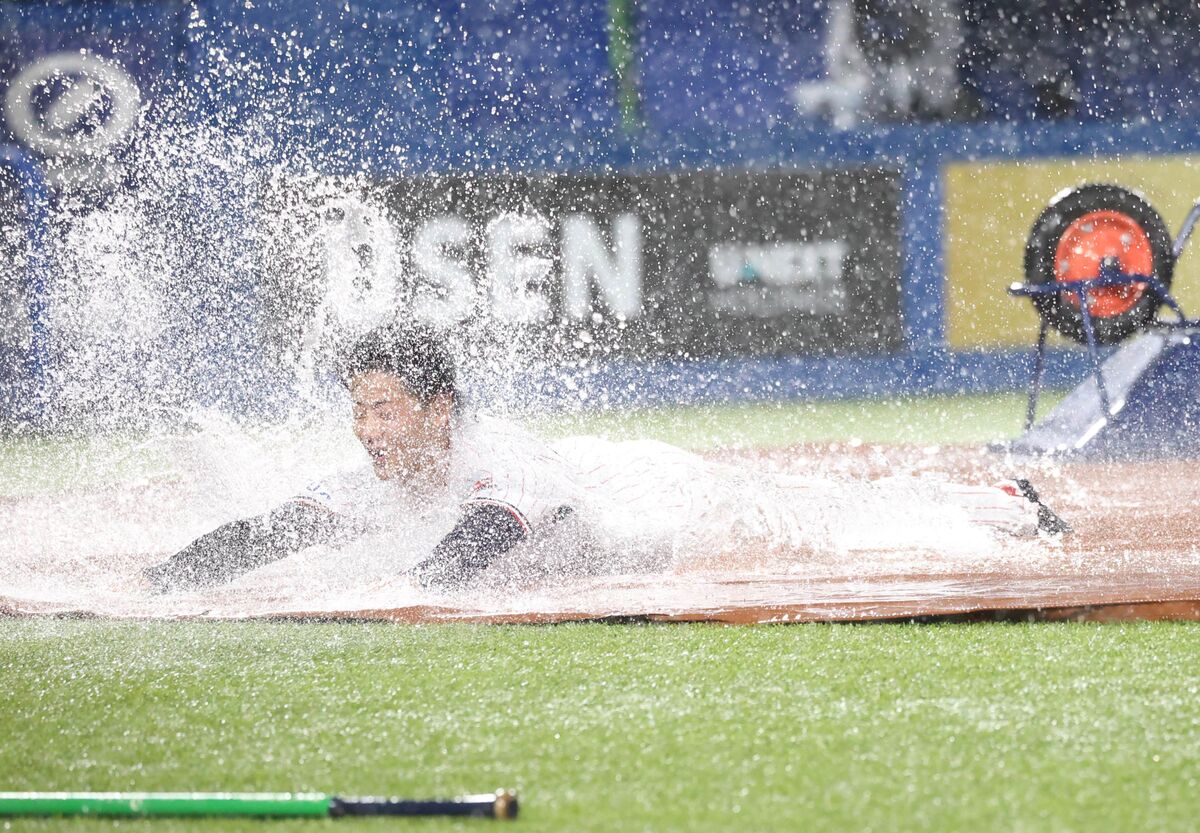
[1110,275]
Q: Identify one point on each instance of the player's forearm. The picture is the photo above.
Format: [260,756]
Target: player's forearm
[213,558]
[241,546]
[483,533]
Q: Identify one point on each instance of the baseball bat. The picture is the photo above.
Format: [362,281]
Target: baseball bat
[501,804]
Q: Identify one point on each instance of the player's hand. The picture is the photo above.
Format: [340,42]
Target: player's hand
[153,580]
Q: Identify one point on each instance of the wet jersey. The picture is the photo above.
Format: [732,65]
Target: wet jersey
[491,462]
[643,490]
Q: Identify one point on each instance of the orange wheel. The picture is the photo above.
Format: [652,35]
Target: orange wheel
[1092,238]
[1081,228]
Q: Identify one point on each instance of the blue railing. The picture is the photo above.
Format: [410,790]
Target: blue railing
[30,403]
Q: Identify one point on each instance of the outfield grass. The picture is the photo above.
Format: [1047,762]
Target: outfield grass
[35,464]
[612,728]
[977,418]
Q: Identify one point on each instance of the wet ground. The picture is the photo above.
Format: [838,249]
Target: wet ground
[1133,555]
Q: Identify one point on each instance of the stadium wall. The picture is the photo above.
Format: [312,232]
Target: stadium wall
[964,194]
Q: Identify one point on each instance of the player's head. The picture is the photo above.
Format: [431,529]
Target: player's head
[401,382]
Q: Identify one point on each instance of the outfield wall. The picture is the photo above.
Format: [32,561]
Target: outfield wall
[774,258]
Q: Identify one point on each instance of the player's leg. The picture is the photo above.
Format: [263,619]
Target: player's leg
[1048,520]
[1012,506]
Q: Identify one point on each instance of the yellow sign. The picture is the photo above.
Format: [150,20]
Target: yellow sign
[990,207]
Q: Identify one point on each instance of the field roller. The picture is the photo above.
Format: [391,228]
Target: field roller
[1099,263]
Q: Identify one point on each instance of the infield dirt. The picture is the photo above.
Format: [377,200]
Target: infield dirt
[1133,555]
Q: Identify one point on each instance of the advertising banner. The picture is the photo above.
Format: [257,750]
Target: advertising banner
[690,264]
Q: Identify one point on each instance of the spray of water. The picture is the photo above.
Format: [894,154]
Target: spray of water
[194,316]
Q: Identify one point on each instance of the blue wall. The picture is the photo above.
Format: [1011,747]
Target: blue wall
[435,86]
[524,87]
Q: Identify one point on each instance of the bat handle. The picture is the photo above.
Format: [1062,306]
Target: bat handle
[500,805]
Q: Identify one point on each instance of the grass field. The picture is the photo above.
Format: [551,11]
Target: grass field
[601,728]
[931,419]
[31,464]
[633,727]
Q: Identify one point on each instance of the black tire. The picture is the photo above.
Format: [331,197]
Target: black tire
[1041,249]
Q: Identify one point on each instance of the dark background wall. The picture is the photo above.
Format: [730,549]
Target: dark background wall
[627,89]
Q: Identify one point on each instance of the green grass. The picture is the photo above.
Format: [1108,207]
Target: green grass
[33,464]
[931,419]
[38,464]
[615,728]
[612,728]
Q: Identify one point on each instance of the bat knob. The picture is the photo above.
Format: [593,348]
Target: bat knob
[506,805]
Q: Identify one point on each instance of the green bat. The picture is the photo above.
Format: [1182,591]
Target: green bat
[501,804]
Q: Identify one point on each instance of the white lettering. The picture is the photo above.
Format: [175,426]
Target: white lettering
[765,279]
[585,256]
[361,265]
[447,293]
[517,275]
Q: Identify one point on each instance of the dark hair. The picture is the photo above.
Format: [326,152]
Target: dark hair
[414,353]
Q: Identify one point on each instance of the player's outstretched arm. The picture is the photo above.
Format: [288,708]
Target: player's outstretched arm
[484,532]
[239,547]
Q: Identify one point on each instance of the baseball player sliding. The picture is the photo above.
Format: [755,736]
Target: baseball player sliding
[499,488]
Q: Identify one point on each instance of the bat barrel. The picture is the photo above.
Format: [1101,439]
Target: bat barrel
[140,805]
[499,805]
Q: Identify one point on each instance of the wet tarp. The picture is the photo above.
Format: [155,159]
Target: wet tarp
[1133,556]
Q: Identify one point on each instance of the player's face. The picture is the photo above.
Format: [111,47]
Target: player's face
[407,439]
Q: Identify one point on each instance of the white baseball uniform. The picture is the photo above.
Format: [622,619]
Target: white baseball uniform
[646,494]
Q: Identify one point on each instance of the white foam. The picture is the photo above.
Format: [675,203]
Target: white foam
[82,546]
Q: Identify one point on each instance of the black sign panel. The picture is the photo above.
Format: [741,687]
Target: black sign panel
[695,264]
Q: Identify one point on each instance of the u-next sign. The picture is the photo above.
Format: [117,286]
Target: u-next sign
[697,264]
